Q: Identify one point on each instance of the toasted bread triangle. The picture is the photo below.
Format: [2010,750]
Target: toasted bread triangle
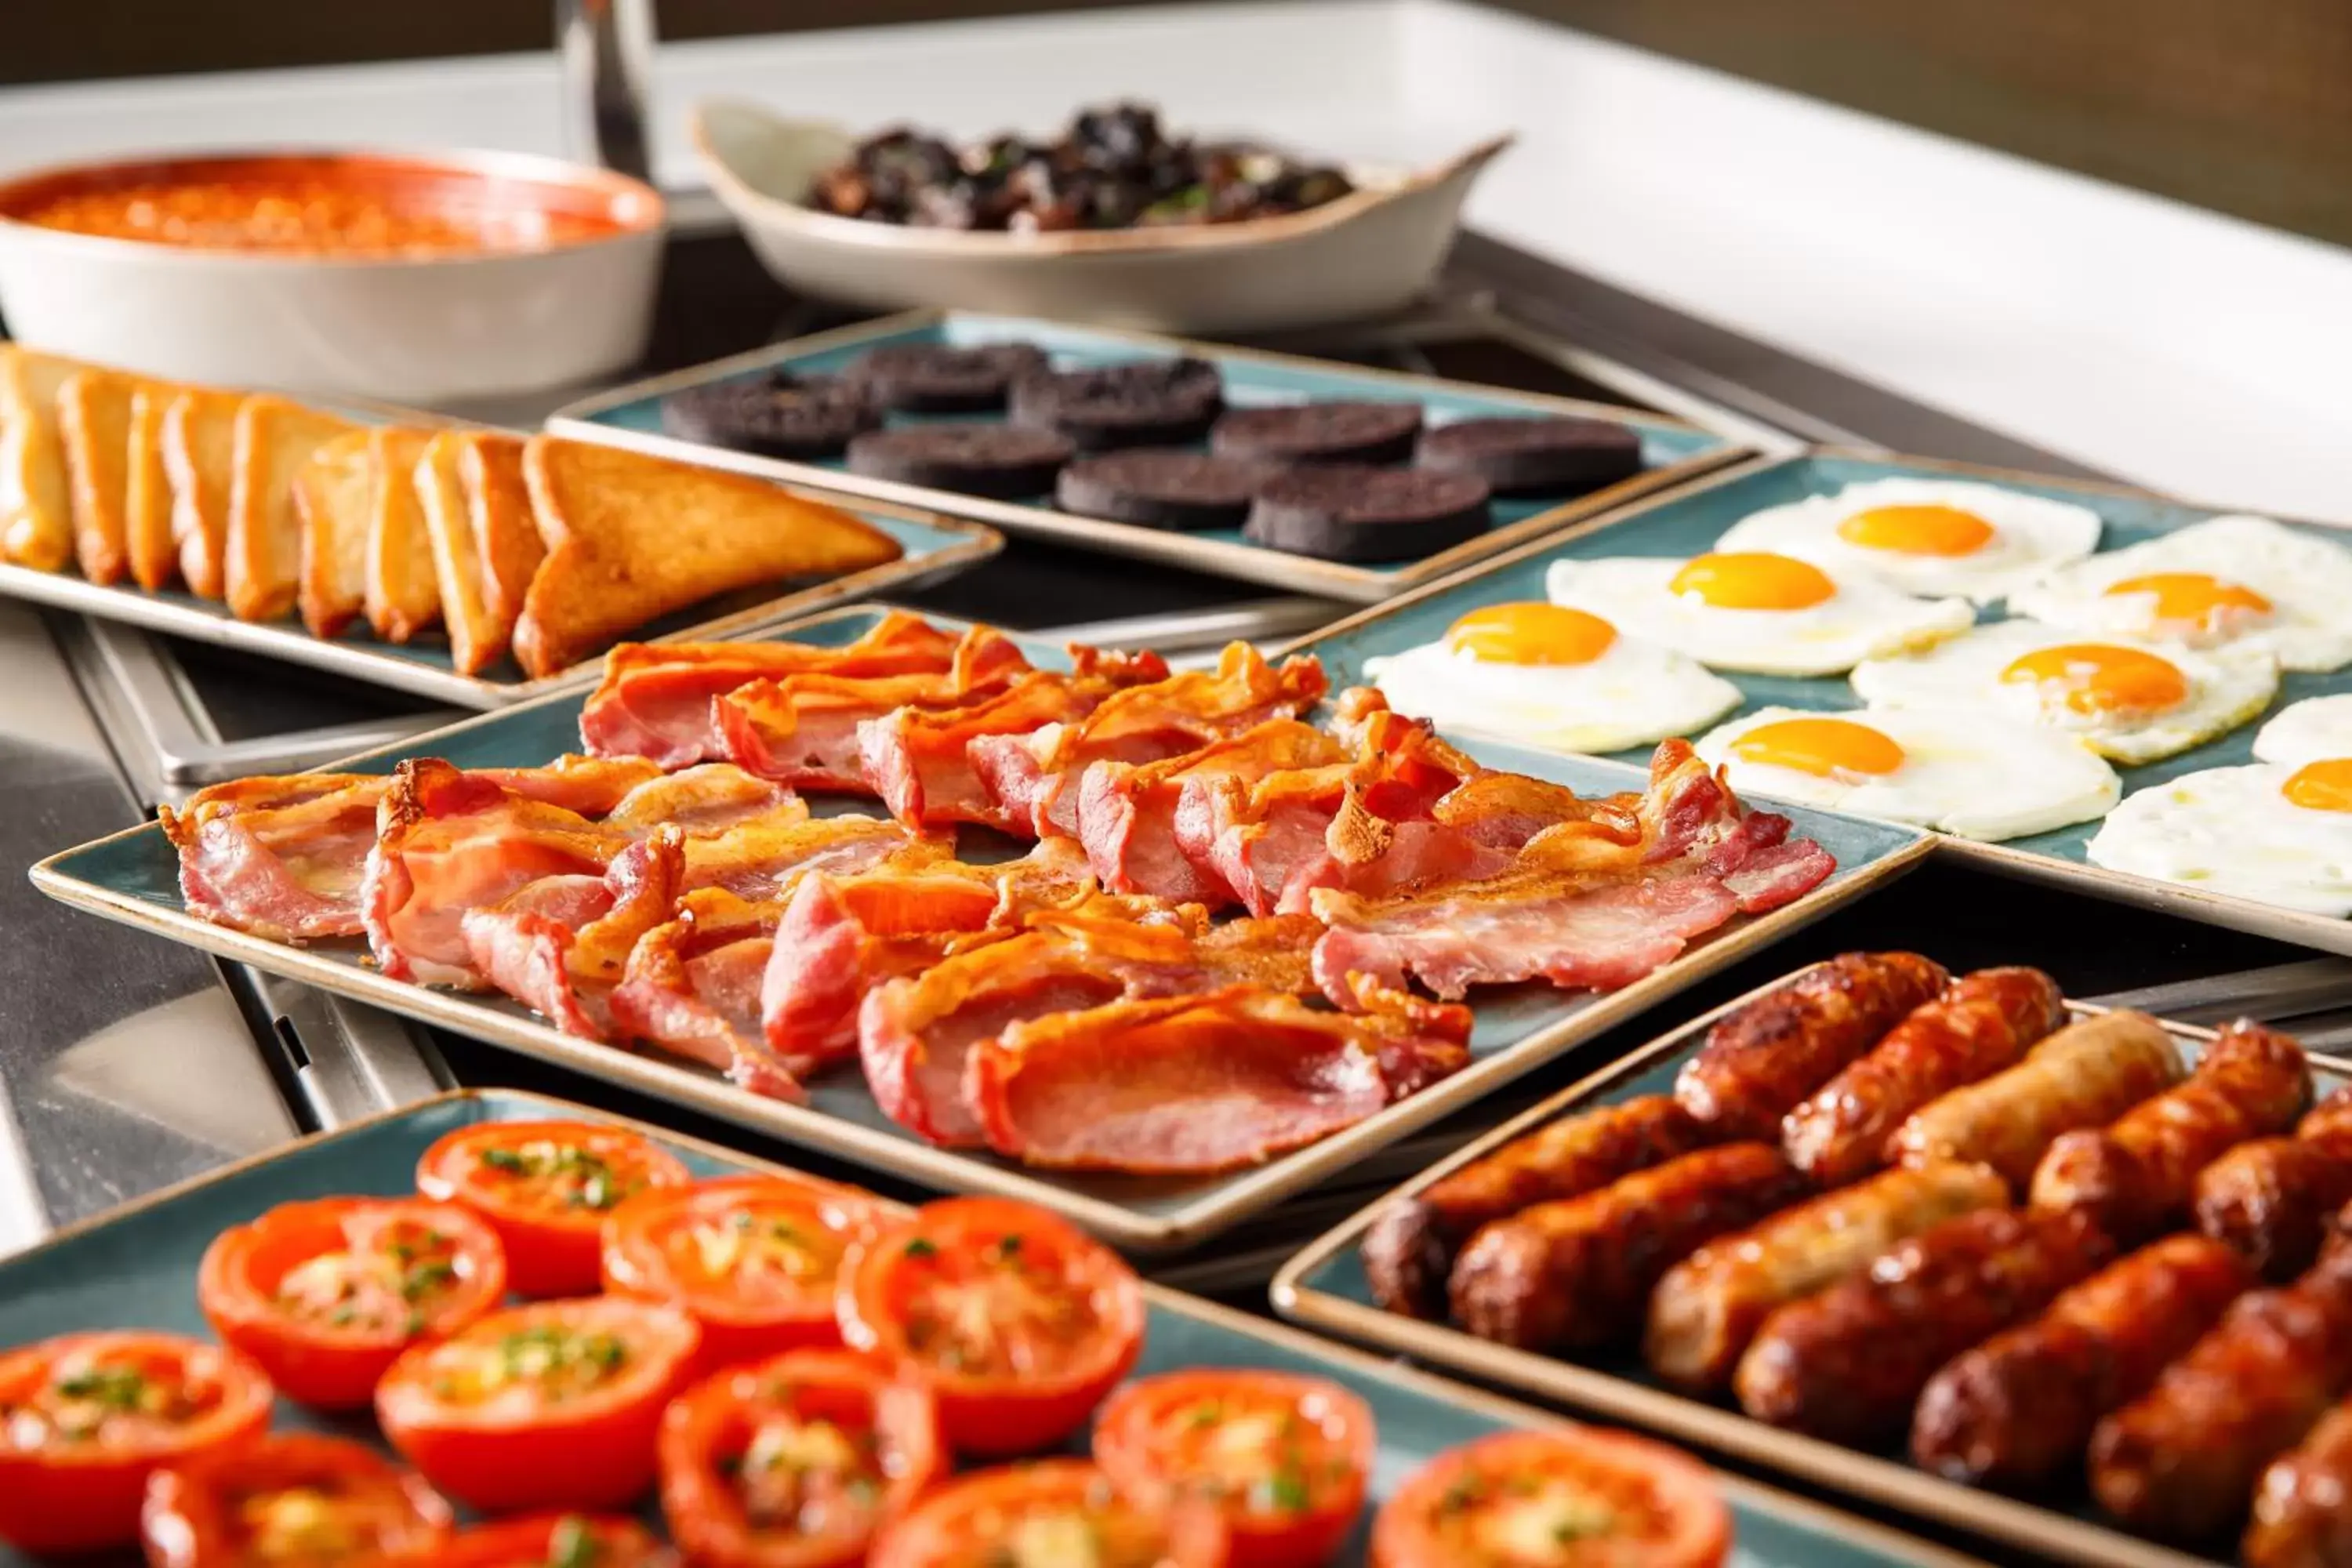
[94,423]
[334,493]
[200,456]
[274,438]
[36,501]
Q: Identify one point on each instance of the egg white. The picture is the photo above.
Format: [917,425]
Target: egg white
[2306,578]
[2311,730]
[2227,686]
[1863,618]
[2031,535]
[2229,830]
[1963,772]
[1633,694]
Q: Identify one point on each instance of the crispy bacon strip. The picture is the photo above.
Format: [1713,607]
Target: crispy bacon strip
[692,987]
[919,761]
[801,730]
[913,1033]
[559,946]
[655,700]
[1595,902]
[1130,816]
[1194,1085]
[1033,779]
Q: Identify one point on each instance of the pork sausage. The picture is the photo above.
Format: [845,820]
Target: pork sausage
[1709,1305]
[1579,1272]
[1409,1250]
[2303,1505]
[1761,1060]
[2272,1199]
[1981,1024]
[2086,1075]
[1848,1364]
[2136,1178]
[2017,1409]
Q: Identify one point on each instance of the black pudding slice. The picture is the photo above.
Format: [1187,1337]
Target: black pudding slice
[776,415]
[1320,433]
[1553,455]
[1157,489]
[939,378]
[1004,462]
[1347,512]
[1146,403]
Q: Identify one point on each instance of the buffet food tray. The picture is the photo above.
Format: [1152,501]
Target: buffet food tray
[935,547]
[136,1267]
[1325,1287]
[1672,451]
[133,877]
[1688,520]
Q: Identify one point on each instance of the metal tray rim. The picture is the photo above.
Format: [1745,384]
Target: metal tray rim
[1848,1471]
[2206,908]
[1252,563]
[1234,1199]
[1443,1390]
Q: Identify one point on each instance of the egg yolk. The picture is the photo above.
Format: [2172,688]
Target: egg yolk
[1826,748]
[1753,580]
[2191,598]
[1917,529]
[2322,786]
[1530,633]
[2097,678]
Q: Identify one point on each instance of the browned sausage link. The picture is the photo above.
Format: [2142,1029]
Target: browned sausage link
[1710,1304]
[1980,1025]
[1579,1272]
[1848,1364]
[2180,1461]
[2136,1177]
[2303,1505]
[2086,1075]
[2272,1199]
[1409,1251]
[1760,1061]
[2330,1121]
[2018,1408]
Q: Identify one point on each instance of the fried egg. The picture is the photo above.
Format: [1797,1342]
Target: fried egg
[1555,678]
[2244,580]
[1953,769]
[2277,832]
[1927,537]
[1753,610]
[2307,731]
[2132,701]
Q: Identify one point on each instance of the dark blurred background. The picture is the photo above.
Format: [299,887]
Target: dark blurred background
[2243,106]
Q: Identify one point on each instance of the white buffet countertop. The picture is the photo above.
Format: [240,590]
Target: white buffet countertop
[2185,351]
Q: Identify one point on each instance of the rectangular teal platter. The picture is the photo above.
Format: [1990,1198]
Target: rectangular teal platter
[133,876]
[1688,522]
[136,1268]
[1325,1287]
[1672,451]
[933,547]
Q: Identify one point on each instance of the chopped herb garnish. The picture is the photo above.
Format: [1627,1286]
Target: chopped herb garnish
[572,1545]
[115,1387]
[922,1247]
[425,1279]
[506,1160]
[1284,1491]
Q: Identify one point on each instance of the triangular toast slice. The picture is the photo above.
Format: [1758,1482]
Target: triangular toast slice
[404,594]
[506,530]
[94,422]
[632,538]
[335,495]
[147,539]
[477,636]
[36,501]
[275,436]
[200,456]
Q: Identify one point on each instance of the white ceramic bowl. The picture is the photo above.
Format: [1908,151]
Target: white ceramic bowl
[431,327]
[1362,255]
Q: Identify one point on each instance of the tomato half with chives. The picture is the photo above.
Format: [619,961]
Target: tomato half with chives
[795,1462]
[1018,1322]
[546,1188]
[550,1406]
[557,1541]
[86,1418]
[755,1258]
[1566,1498]
[1051,1511]
[1285,1458]
[298,1500]
[323,1295]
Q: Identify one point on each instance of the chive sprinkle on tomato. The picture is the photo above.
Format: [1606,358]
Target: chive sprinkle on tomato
[546,1187]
